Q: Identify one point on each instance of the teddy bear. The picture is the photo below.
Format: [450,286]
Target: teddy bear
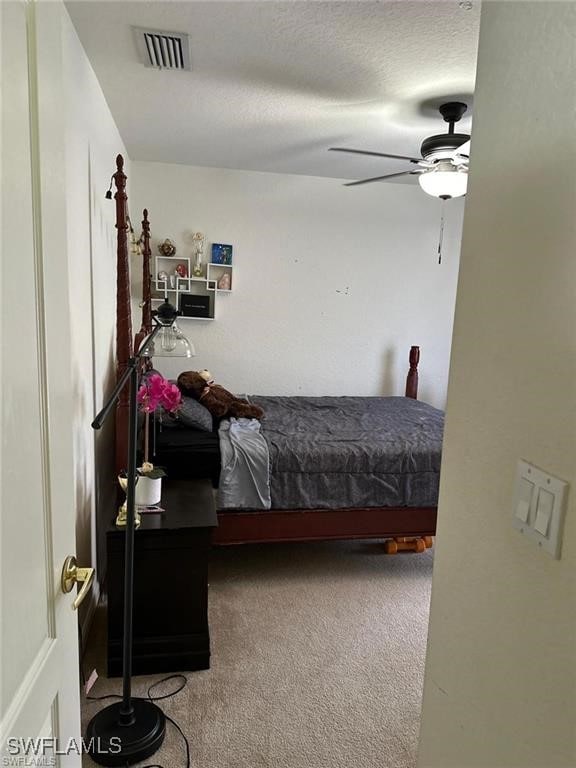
[200,385]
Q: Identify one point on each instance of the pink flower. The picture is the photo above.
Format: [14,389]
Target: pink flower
[156,386]
[143,398]
[157,391]
[171,397]
[151,392]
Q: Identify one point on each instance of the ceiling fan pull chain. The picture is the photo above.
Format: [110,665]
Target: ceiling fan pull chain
[441,232]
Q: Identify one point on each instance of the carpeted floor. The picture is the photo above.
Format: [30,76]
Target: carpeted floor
[317,661]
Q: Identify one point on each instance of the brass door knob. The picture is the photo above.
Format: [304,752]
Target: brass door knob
[71,575]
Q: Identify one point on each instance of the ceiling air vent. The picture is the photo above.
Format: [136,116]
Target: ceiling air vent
[163,50]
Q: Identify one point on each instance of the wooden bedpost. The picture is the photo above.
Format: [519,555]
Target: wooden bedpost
[123,313]
[146,326]
[412,378]
[410,543]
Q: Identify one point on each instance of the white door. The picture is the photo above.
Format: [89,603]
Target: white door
[38,631]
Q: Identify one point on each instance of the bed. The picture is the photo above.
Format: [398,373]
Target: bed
[383,484]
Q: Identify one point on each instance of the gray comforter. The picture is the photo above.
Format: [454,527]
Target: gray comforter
[328,452]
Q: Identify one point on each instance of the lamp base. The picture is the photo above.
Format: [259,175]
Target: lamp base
[110,743]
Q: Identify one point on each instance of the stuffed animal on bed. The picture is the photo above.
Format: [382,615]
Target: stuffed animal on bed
[200,385]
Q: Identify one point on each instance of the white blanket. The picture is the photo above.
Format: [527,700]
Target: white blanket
[245,467]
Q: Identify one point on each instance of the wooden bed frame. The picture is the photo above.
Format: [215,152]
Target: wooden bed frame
[405,528]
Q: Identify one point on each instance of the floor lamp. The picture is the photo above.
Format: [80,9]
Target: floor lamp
[131,730]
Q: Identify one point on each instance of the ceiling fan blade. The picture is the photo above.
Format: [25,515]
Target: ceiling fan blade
[375,154]
[463,151]
[381,178]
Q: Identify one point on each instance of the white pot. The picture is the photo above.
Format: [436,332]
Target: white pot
[148,491]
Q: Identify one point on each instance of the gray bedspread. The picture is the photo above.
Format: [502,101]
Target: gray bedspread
[328,452]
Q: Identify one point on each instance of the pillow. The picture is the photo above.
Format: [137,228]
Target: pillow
[190,414]
[148,373]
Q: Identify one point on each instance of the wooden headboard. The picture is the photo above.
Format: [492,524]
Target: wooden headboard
[124,343]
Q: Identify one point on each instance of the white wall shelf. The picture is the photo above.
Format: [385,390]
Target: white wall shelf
[175,285]
[216,272]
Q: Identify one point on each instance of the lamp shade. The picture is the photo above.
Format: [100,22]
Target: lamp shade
[444,180]
[170,342]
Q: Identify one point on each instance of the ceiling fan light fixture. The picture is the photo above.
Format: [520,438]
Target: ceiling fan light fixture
[443,164]
[445,181]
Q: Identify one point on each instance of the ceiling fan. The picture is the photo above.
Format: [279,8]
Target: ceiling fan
[443,167]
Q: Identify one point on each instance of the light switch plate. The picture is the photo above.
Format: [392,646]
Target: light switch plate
[539,503]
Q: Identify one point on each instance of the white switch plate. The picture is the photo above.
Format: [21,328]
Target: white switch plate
[531,505]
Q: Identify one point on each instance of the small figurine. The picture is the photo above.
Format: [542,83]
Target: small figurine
[197,268]
[224,282]
[162,276]
[167,248]
[181,270]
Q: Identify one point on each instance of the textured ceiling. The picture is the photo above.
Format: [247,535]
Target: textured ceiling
[274,84]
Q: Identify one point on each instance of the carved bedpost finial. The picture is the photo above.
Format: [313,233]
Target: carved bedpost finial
[146,304]
[123,310]
[412,378]
[146,276]
[120,179]
[123,327]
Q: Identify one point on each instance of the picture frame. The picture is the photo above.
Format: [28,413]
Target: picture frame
[194,305]
[221,254]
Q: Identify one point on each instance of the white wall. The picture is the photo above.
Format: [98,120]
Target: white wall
[500,687]
[92,143]
[331,285]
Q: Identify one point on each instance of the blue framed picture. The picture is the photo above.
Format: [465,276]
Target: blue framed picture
[221,254]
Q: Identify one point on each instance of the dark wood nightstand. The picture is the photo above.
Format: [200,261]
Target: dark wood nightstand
[171,551]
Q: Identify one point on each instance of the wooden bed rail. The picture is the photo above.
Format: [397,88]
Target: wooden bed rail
[405,528]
